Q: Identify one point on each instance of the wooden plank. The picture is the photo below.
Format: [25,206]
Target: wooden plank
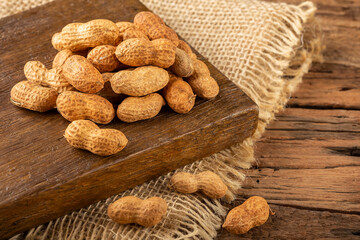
[292,223]
[43,177]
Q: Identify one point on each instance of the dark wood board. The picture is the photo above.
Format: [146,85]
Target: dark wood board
[43,177]
[309,168]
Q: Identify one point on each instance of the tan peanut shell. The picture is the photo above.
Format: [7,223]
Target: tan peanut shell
[140,81]
[134,33]
[185,47]
[154,27]
[252,213]
[87,135]
[201,82]
[137,52]
[107,76]
[80,73]
[182,66]
[107,92]
[80,36]
[131,209]
[133,109]
[32,96]
[179,95]
[207,182]
[61,57]
[79,106]
[123,26]
[103,58]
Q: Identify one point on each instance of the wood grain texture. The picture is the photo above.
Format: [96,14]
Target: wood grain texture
[308,159]
[43,177]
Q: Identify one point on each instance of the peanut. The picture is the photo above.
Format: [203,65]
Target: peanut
[252,213]
[107,76]
[123,26]
[32,96]
[133,33]
[185,47]
[179,95]
[36,72]
[80,36]
[80,73]
[201,82]
[103,58]
[107,92]
[131,209]
[133,109]
[61,57]
[87,135]
[137,52]
[207,182]
[140,81]
[78,106]
[154,27]
[183,64]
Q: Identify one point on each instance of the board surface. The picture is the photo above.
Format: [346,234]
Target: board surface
[43,177]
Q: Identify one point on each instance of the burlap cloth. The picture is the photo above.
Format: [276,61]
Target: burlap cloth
[265,48]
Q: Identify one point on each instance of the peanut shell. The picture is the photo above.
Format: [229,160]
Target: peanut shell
[103,58]
[182,66]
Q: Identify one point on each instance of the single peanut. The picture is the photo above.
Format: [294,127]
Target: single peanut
[207,182]
[134,33]
[61,57]
[36,72]
[103,58]
[107,76]
[87,135]
[131,209]
[179,95]
[133,109]
[32,96]
[201,82]
[123,27]
[140,52]
[140,81]
[183,64]
[252,213]
[154,27]
[81,74]
[185,47]
[80,36]
[78,106]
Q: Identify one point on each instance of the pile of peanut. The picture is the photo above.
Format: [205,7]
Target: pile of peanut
[147,64]
[144,62]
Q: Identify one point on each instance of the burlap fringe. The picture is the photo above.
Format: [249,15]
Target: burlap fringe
[290,49]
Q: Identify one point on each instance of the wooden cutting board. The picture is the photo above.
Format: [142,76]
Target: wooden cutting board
[42,177]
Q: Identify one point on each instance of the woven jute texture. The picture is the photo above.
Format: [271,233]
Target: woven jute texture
[265,48]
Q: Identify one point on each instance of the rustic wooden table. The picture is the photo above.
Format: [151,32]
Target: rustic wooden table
[309,158]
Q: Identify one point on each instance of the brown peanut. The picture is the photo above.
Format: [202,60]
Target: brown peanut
[201,82]
[61,57]
[107,92]
[154,27]
[131,209]
[103,58]
[36,72]
[185,47]
[134,33]
[80,36]
[79,106]
[137,52]
[32,96]
[123,27]
[133,109]
[183,64]
[140,81]
[87,135]
[179,95]
[252,213]
[207,182]
[81,74]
